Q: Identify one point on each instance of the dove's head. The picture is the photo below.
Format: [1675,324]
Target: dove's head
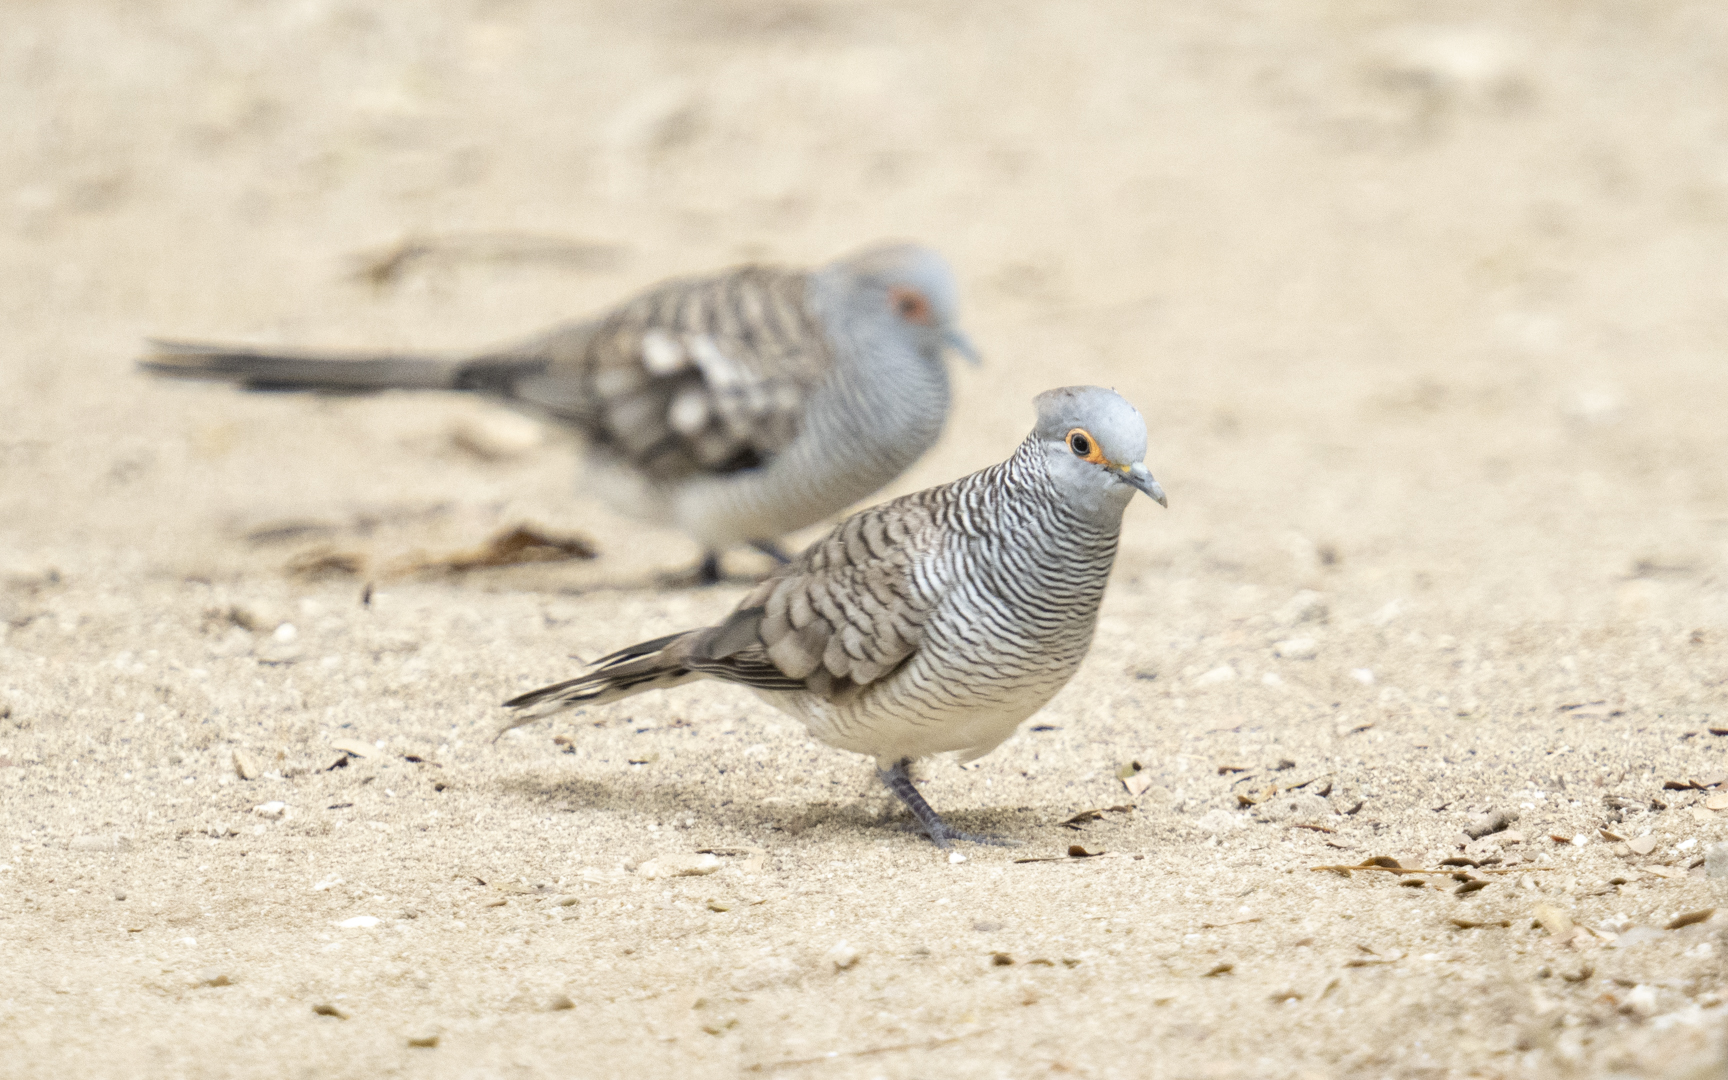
[1095,445]
[908,289]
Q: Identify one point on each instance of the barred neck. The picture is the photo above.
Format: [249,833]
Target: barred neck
[1021,492]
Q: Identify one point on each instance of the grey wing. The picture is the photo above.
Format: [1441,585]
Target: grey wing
[704,375]
[845,614]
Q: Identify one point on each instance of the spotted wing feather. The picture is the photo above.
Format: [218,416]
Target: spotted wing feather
[846,613]
[700,375]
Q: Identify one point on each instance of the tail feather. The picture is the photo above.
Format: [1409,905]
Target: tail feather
[327,372]
[731,652]
[651,665]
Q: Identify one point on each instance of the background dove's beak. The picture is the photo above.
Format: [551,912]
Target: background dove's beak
[960,343]
[1137,475]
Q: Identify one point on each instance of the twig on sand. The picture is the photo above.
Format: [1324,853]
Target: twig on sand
[834,1055]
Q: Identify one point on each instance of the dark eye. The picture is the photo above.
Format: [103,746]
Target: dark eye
[910,305]
[1085,446]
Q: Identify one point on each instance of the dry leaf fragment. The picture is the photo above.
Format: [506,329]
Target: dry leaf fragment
[354,747]
[1222,969]
[1690,918]
[1472,924]
[1081,851]
[514,547]
[329,1010]
[1001,959]
[325,562]
[1669,872]
[1137,783]
[1473,885]
[1610,836]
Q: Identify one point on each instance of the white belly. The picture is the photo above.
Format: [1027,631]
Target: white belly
[886,725]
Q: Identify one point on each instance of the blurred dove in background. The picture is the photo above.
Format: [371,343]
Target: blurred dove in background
[736,407]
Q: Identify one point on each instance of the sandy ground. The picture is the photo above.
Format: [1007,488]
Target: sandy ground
[1426,309]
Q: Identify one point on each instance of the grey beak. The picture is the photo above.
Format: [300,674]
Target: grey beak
[1140,478]
[960,343]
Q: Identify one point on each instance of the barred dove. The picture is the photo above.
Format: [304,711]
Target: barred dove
[930,624]
[737,407]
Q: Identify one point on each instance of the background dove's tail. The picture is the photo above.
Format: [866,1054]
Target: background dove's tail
[334,373]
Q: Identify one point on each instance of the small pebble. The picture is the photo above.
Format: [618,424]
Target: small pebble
[496,437]
[359,748]
[245,765]
[329,1010]
[666,866]
[425,1042]
[1640,1000]
[561,1003]
[842,956]
[107,844]
[271,811]
[1297,648]
[1641,845]
[1554,920]
[359,922]
[956,857]
[1492,822]
[1716,862]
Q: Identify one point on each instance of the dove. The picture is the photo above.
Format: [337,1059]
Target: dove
[932,624]
[737,407]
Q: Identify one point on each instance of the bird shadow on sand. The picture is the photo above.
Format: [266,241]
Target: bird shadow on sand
[867,818]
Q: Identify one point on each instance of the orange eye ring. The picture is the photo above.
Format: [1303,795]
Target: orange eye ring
[911,305]
[1085,447]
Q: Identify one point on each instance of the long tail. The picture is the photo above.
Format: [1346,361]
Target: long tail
[338,373]
[731,651]
[651,665]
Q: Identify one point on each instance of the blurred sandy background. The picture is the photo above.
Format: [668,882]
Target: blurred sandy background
[1425,306]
